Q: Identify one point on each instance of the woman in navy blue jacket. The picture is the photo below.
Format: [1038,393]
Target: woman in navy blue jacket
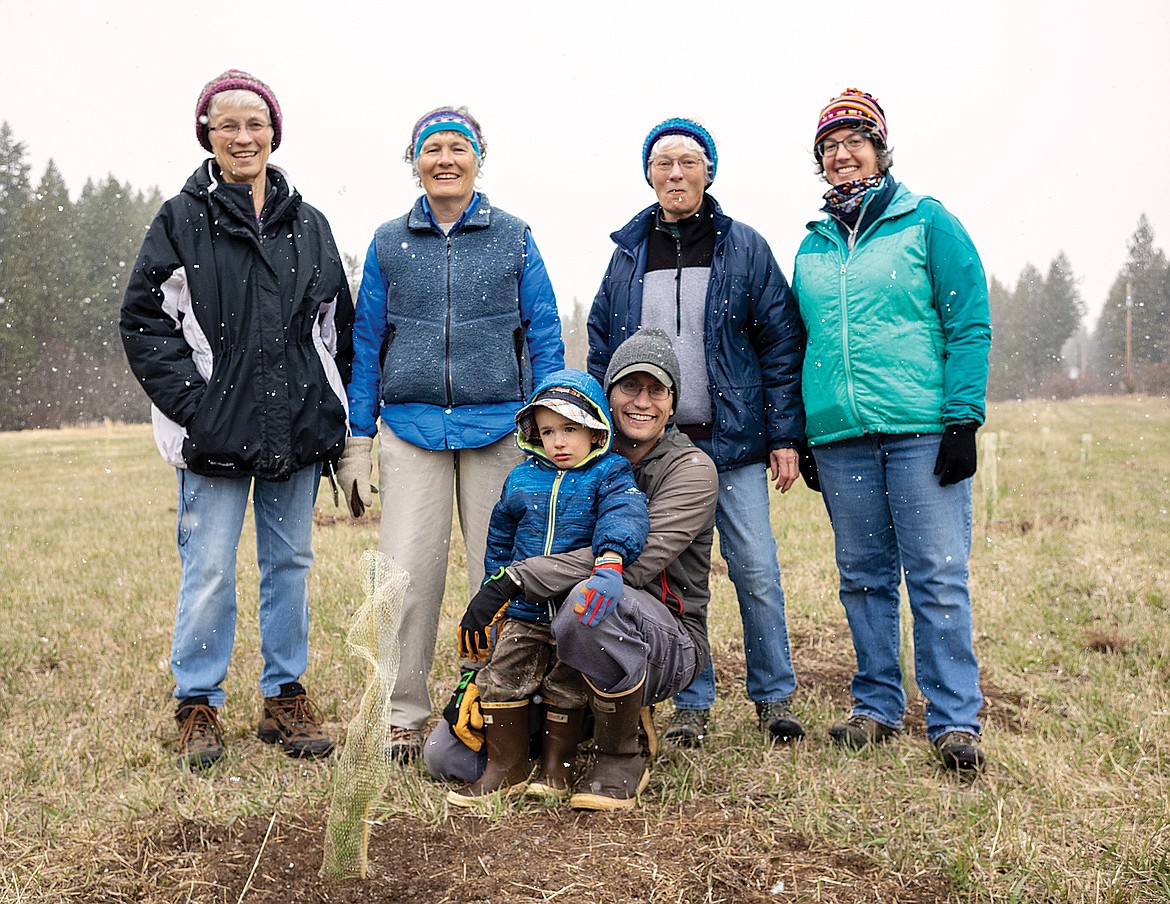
[456,319]
[712,284]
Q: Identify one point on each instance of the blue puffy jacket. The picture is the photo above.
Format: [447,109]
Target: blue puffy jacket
[544,510]
[753,336]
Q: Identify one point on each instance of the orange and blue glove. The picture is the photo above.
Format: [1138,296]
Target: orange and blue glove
[596,598]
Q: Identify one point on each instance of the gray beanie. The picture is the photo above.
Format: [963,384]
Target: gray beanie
[647,351]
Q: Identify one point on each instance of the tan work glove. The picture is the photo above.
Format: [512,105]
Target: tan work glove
[353,474]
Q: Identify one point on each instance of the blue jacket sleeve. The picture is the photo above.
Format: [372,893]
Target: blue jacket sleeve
[538,312]
[369,332]
[501,535]
[597,326]
[960,294]
[623,518]
[778,336]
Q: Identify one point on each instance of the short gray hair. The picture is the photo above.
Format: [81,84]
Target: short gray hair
[237,99]
[666,142]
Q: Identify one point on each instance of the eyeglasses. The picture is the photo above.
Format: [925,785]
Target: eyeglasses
[631,389]
[853,143]
[232,129]
[666,164]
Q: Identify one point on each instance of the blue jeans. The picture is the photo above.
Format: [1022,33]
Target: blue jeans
[211,517]
[892,519]
[744,520]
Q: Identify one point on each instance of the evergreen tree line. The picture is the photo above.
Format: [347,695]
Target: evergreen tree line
[1041,347]
[63,271]
[64,265]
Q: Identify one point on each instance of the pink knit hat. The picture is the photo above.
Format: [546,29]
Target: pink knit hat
[229,81]
[852,109]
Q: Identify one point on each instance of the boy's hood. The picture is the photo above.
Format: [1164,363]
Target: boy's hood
[590,391]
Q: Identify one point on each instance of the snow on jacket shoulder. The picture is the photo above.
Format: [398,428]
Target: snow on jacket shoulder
[898,326]
[240,330]
[753,336]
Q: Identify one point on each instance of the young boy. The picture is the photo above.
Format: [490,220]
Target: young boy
[571,492]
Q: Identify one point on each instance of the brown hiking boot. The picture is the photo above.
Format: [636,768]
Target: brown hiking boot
[778,722]
[293,721]
[404,745]
[860,731]
[687,727]
[960,751]
[200,737]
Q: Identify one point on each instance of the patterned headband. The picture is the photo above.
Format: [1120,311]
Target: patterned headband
[445,121]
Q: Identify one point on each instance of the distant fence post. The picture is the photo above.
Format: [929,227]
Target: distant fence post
[990,475]
[1086,445]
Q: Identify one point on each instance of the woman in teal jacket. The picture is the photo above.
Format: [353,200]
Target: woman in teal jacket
[894,299]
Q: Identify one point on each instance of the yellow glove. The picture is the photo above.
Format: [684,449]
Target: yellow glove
[463,712]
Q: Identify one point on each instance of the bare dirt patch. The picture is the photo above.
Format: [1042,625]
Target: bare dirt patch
[699,852]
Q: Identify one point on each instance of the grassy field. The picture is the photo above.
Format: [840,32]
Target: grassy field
[1071,578]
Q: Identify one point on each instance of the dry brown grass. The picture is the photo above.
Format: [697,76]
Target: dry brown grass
[1070,573]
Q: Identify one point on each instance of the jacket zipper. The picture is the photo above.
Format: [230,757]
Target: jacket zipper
[550,530]
[678,268]
[850,245]
[447,330]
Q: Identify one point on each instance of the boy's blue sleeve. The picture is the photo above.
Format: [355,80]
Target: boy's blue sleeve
[623,520]
[501,535]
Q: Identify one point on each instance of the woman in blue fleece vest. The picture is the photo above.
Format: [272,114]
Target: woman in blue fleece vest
[456,319]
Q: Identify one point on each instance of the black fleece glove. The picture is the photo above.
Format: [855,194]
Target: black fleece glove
[482,612]
[956,454]
[808,468]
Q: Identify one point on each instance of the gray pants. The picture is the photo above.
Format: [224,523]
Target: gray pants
[640,637]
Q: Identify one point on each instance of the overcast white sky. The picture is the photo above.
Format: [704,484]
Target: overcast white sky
[1043,126]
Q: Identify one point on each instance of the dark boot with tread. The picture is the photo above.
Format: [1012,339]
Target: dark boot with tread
[619,773]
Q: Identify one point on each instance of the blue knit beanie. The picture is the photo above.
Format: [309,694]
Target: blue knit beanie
[678,126]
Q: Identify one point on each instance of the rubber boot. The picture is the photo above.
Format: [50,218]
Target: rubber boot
[618,774]
[562,733]
[505,730]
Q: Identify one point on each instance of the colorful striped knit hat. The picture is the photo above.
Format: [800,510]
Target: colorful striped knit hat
[679,126]
[851,109]
[446,119]
[235,79]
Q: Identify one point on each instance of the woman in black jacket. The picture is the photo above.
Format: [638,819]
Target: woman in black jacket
[237,322]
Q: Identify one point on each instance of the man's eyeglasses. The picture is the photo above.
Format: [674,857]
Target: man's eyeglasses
[631,389]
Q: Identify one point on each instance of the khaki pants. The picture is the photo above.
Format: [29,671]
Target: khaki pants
[419,490]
